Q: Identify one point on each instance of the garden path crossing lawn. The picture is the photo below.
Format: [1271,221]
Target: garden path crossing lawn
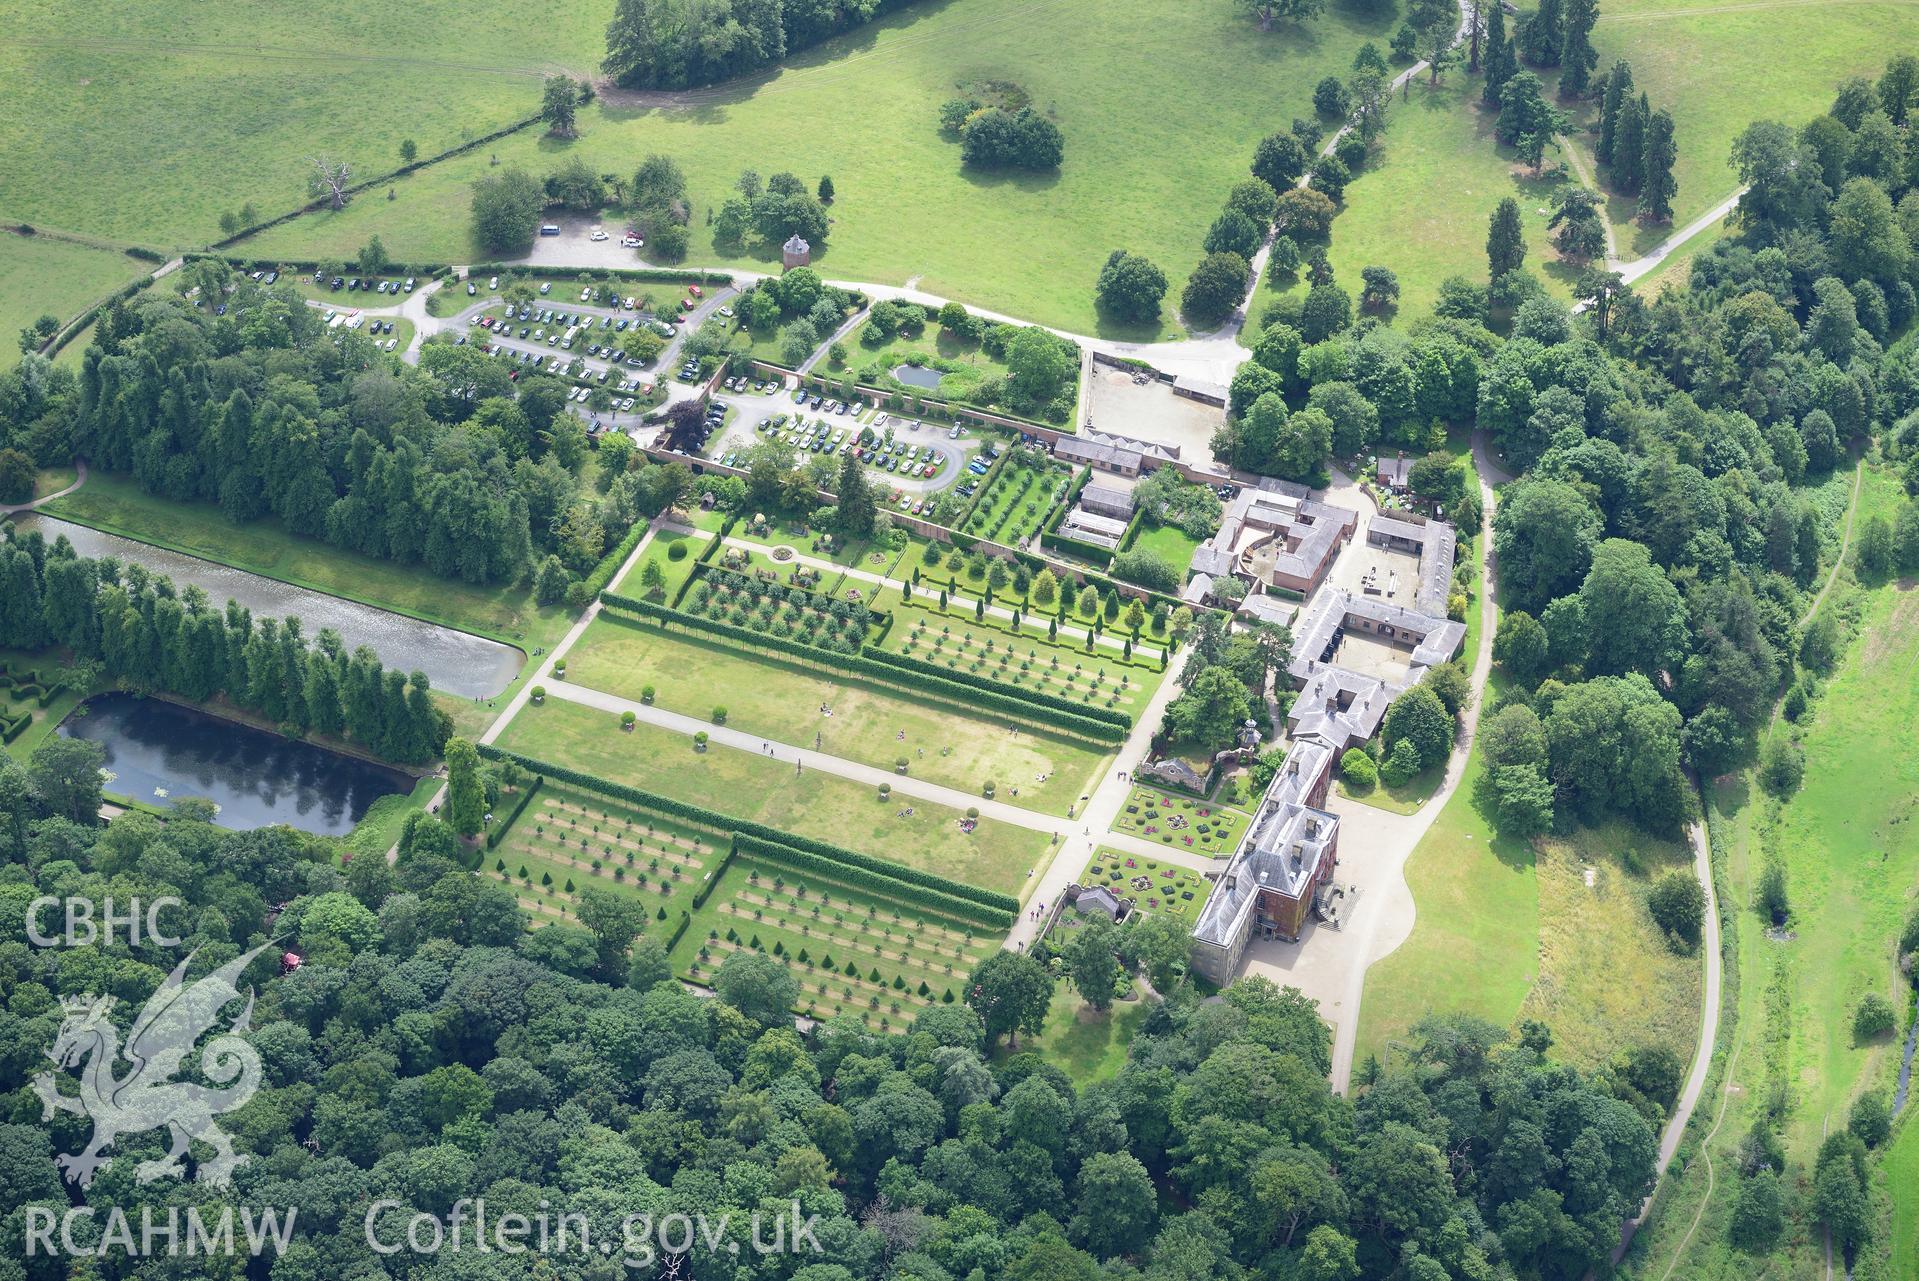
[1717,65]
[118,505]
[41,276]
[1088,1045]
[781,701]
[904,957]
[740,784]
[1183,823]
[1150,149]
[1170,888]
[1422,202]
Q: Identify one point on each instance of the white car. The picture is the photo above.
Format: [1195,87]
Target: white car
[631,241]
[585,294]
[493,283]
[546,286]
[598,235]
[727,312]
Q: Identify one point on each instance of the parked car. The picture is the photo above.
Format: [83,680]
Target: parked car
[546,286]
[598,235]
[409,284]
[549,229]
[493,282]
[470,290]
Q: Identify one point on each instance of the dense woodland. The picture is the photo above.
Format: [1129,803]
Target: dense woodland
[431,1047]
[676,44]
[449,465]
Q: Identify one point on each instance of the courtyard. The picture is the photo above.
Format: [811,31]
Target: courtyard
[1151,411]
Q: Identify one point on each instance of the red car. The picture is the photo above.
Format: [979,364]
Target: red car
[695,291]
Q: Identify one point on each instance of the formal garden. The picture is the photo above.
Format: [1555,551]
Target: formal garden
[1183,822]
[1028,663]
[1154,886]
[1016,497]
[855,949]
[566,839]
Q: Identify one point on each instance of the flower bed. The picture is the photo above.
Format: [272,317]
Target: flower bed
[1181,822]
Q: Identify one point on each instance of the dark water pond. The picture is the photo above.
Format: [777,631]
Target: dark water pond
[159,752]
[917,376]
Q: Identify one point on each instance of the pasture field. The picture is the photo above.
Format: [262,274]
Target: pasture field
[742,784]
[1149,155]
[869,723]
[183,113]
[1422,204]
[1778,60]
[853,949]
[41,276]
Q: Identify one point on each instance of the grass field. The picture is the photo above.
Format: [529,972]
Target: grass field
[1421,206]
[1902,1179]
[1778,60]
[41,276]
[1154,814]
[659,552]
[218,104]
[743,785]
[1607,980]
[1475,947]
[1168,541]
[1088,1045]
[781,701]
[853,950]
[1149,155]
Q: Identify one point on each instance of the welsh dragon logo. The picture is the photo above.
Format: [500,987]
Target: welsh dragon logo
[148,1097]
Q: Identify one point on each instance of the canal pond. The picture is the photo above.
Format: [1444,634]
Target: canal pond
[159,752]
[455,662]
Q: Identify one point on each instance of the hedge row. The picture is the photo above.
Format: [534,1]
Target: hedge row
[13,727]
[500,826]
[960,910]
[679,930]
[740,826]
[712,881]
[906,662]
[595,582]
[1093,723]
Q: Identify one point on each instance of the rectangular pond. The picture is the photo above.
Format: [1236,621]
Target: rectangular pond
[160,752]
[455,662]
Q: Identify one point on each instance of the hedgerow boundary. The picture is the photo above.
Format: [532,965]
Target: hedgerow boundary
[990,901]
[1101,725]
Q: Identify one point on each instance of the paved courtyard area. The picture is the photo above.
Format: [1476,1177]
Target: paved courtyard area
[1150,411]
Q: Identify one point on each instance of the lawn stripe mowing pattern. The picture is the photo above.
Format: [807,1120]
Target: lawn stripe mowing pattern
[691,674]
[816,812]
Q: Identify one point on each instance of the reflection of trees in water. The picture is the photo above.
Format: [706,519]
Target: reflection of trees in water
[254,776]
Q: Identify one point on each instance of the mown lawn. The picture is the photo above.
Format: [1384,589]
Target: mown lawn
[1170,542]
[1475,947]
[781,701]
[744,785]
[1087,1044]
[1902,1180]
[1717,65]
[41,276]
[1422,204]
[1150,153]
